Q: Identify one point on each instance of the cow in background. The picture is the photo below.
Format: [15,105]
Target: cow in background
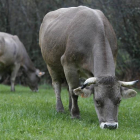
[13,56]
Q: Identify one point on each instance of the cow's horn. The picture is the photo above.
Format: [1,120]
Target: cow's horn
[89,81]
[127,84]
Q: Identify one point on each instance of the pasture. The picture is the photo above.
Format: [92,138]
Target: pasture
[25,115]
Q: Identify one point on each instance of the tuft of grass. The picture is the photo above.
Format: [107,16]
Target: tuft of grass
[25,115]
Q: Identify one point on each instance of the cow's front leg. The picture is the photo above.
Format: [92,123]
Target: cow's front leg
[75,113]
[13,76]
[72,78]
[70,101]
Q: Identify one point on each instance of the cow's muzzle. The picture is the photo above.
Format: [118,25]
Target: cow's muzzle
[34,90]
[109,125]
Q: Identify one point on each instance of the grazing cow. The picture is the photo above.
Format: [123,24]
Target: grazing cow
[80,42]
[13,55]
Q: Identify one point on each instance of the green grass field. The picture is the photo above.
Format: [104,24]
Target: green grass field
[25,115]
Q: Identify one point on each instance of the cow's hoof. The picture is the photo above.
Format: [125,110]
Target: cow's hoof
[12,90]
[60,110]
[75,117]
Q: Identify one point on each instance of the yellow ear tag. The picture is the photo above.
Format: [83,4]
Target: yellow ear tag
[82,95]
[40,73]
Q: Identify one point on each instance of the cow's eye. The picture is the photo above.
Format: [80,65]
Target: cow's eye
[98,103]
[118,102]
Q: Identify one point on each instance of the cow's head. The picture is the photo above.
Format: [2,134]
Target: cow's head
[33,78]
[108,92]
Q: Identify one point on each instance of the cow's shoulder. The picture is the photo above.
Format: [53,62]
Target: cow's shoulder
[2,45]
[15,37]
[64,12]
[16,40]
[54,14]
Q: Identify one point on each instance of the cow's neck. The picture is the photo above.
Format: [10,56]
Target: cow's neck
[28,64]
[103,61]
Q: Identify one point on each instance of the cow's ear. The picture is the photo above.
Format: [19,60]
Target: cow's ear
[78,91]
[128,93]
[82,92]
[39,73]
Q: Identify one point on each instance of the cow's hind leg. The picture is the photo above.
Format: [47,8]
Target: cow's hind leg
[56,82]
[57,90]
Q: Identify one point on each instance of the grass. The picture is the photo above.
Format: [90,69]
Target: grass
[25,115]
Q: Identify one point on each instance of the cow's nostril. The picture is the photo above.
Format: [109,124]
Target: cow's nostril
[110,126]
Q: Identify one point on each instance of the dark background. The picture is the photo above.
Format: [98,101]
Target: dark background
[24,17]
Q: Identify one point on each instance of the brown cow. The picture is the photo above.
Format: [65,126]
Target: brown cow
[80,42]
[13,55]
